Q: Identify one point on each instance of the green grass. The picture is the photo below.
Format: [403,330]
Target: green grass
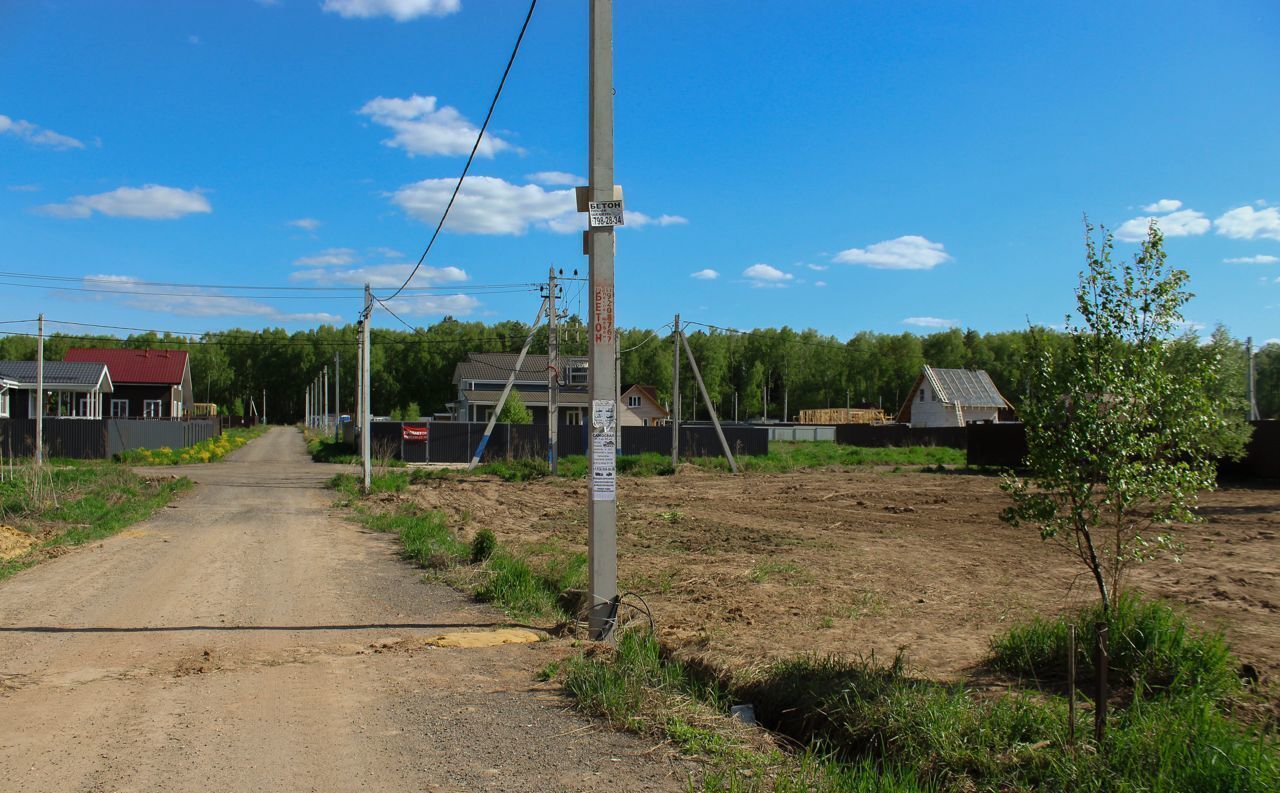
[527,583]
[1150,643]
[207,451]
[75,505]
[864,725]
[782,457]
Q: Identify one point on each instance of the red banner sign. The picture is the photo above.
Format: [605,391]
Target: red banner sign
[415,433]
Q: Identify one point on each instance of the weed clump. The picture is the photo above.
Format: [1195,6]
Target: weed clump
[483,545]
[1151,645]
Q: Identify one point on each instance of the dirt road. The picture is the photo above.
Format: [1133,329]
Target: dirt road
[249,638]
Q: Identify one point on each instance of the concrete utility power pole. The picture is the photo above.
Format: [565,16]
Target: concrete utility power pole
[1252,383]
[40,390]
[602,504]
[325,399]
[675,394]
[337,396]
[366,447]
[553,376]
[264,406]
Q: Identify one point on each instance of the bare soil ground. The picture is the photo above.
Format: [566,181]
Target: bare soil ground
[254,638]
[755,567]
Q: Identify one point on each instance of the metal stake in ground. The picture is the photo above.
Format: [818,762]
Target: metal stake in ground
[1100,695]
[602,505]
[1071,684]
[506,392]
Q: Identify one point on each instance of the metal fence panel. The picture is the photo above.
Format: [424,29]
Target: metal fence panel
[82,439]
[125,434]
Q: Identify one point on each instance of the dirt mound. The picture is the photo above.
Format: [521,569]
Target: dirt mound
[13,542]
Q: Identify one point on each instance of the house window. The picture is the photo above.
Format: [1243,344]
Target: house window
[922,395]
[633,401]
[151,408]
[4,402]
[86,407]
[578,375]
[572,416]
[119,408]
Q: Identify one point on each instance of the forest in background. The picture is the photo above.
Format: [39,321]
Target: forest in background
[412,371]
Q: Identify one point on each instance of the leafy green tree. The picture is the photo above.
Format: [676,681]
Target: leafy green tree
[1120,440]
[514,410]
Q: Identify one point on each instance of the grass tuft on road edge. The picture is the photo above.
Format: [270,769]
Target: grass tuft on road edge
[61,507]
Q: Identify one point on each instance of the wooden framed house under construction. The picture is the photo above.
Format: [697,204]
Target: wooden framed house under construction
[952,398]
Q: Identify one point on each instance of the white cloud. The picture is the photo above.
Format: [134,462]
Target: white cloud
[765,275]
[1182,223]
[36,135]
[1163,205]
[435,305]
[904,253]
[705,275]
[381,276]
[1246,223]
[819,283]
[185,304]
[930,322]
[421,127]
[556,179]
[329,257]
[399,10]
[1269,342]
[489,205]
[818,267]
[193,39]
[24,188]
[308,224]
[149,202]
[640,220]
[1259,259]
[390,253]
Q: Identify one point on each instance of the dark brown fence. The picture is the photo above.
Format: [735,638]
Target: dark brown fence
[900,435]
[82,439]
[456,441]
[1005,446]
[95,439]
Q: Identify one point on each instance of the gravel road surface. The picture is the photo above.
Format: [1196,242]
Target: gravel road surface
[250,638]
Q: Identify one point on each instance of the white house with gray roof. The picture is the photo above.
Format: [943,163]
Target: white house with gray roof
[71,390]
[952,398]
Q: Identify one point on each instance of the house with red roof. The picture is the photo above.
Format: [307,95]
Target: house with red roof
[148,383]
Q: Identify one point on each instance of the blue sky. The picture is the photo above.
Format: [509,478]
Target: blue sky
[848,166]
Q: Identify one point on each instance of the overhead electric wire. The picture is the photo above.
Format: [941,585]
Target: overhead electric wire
[259,343]
[479,137]
[353,291]
[805,342]
[89,279]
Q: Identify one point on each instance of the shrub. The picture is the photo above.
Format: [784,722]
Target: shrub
[483,545]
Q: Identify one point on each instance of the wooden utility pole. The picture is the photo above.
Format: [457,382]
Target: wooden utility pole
[675,394]
[39,456]
[602,504]
[553,376]
[366,446]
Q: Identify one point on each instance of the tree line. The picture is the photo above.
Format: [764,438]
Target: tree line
[763,371]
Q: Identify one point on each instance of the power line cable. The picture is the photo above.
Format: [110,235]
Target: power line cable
[88,279]
[457,187]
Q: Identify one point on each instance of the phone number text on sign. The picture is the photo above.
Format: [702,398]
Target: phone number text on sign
[603,315]
[605,213]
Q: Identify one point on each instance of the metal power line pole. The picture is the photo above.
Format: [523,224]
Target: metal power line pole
[337,396]
[40,390]
[602,548]
[553,376]
[366,447]
[675,394]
